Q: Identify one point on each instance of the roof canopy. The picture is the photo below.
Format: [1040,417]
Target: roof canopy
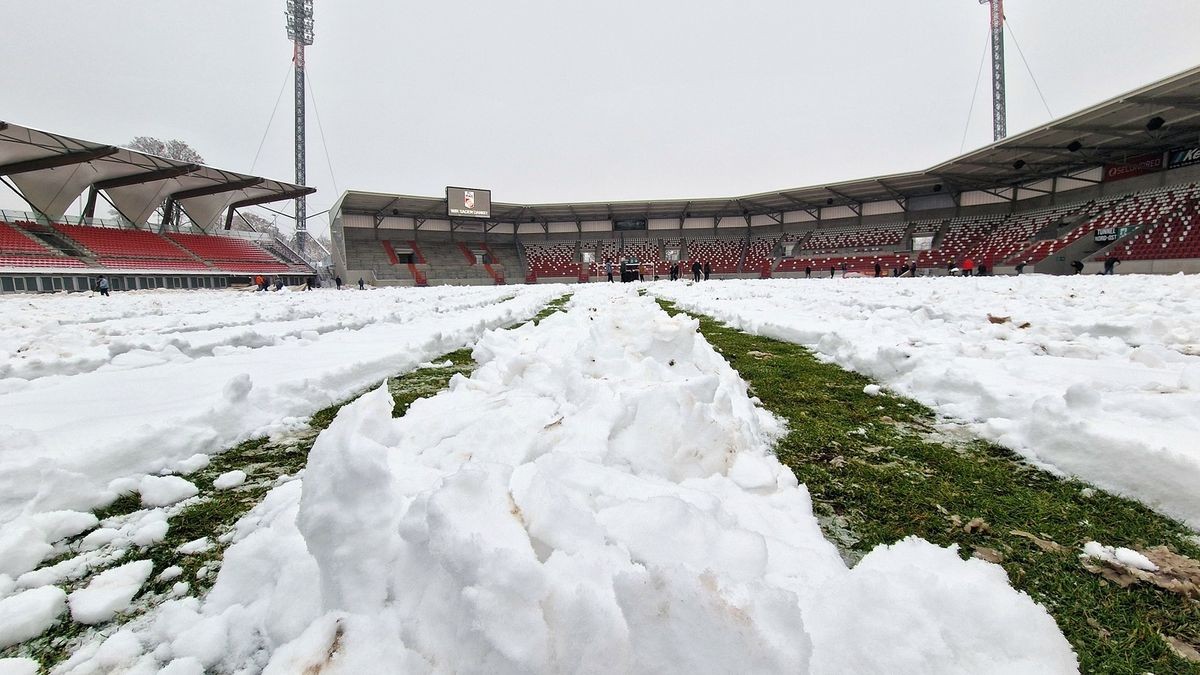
[52,170]
[1112,132]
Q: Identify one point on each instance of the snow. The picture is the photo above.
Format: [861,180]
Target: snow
[28,614]
[165,490]
[599,496]
[230,479]
[26,541]
[1095,377]
[18,666]
[195,546]
[109,592]
[96,389]
[1118,555]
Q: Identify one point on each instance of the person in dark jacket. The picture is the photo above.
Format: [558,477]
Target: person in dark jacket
[608,268]
[707,271]
[832,270]
[362,285]
[1077,266]
[878,270]
[808,271]
[1020,267]
[338,281]
[1110,264]
[696,270]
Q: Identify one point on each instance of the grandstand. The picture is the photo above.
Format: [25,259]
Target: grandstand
[44,251]
[1083,187]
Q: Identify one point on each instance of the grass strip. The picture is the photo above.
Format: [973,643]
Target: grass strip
[877,475]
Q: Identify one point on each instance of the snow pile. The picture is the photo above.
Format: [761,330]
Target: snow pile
[27,541]
[165,490]
[599,496]
[98,389]
[109,592]
[28,614]
[1097,377]
[230,479]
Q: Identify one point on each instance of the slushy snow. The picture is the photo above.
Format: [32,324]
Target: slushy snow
[599,496]
[1095,377]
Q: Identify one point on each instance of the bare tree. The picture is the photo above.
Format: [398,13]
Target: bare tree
[172,149]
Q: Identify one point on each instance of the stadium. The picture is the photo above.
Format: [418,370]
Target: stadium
[931,420]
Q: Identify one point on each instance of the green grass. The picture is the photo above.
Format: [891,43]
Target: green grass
[217,511]
[893,480]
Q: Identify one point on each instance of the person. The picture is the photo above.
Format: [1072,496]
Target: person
[696,269]
[707,270]
[278,283]
[983,270]
[308,283]
[338,282]
[1110,264]
[950,268]
[968,267]
[674,271]
[362,285]
[102,285]
[832,269]
[1020,267]
[608,269]
[878,270]
[808,271]
[1077,266]
[258,282]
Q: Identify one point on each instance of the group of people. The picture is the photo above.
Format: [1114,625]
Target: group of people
[700,271]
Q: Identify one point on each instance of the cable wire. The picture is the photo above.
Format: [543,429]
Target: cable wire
[975,92]
[286,77]
[1029,70]
[328,160]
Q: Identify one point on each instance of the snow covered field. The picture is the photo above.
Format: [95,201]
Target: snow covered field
[1097,377]
[96,390]
[599,496]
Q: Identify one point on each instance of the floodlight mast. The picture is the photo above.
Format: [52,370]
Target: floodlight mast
[999,114]
[300,30]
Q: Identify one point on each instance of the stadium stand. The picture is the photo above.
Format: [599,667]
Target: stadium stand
[20,250]
[229,254]
[123,249]
[759,256]
[856,238]
[1168,221]
[551,260]
[725,255]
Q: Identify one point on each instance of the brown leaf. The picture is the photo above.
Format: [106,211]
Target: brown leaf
[1176,573]
[989,554]
[1025,325]
[1044,544]
[1182,649]
[999,319]
[977,525]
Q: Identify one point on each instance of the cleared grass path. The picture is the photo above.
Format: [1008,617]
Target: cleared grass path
[877,475]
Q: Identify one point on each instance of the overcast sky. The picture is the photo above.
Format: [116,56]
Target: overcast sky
[560,100]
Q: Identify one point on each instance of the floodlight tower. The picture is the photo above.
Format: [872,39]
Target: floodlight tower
[300,31]
[999,121]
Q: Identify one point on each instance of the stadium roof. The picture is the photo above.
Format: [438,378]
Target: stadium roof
[51,171]
[1113,132]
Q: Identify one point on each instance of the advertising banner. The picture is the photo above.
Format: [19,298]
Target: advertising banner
[1183,157]
[1139,165]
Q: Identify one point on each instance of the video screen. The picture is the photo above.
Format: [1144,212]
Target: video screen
[468,203]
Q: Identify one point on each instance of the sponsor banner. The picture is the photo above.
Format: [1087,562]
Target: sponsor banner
[1183,157]
[1139,165]
[1104,235]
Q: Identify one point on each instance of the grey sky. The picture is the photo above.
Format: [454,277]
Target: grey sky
[557,100]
